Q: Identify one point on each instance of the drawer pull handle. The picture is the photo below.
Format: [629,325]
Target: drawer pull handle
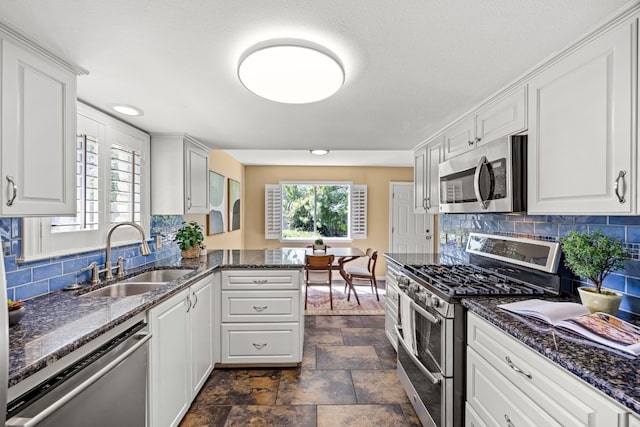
[260,281]
[509,423]
[263,308]
[259,346]
[515,368]
[15,190]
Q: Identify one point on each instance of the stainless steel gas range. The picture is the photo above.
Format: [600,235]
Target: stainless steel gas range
[431,321]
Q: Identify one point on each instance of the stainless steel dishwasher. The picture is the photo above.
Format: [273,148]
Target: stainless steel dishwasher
[106,388]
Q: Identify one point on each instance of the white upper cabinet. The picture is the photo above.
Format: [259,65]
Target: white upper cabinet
[420,180]
[38,133]
[425,176]
[504,116]
[581,139]
[432,186]
[179,175]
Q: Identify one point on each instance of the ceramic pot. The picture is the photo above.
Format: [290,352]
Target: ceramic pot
[600,302]
[16,315]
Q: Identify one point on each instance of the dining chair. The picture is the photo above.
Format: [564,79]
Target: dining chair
[318,248]
[318,271]
[353,274]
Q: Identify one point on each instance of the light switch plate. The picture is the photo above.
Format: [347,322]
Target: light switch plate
[443,238]
[158,242]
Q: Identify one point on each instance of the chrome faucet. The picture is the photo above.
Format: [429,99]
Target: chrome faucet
[144,248]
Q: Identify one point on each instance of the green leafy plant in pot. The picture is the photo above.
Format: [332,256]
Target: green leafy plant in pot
[594,255]
[189,238]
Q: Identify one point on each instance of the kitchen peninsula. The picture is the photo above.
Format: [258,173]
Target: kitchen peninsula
[62,326]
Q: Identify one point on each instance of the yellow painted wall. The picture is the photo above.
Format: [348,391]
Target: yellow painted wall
[377,180]
[222,163]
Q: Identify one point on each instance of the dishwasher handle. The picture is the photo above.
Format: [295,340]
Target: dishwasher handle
[143,337]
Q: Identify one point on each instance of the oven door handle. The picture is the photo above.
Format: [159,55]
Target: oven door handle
[424,313]
[434,377]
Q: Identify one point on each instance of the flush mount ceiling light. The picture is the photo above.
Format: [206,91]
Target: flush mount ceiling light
[128,110]
[319,152]
[291,73]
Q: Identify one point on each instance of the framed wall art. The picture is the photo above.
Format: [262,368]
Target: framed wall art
[216,220]
[234,205]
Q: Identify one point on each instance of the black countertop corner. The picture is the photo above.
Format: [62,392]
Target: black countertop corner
[613,372]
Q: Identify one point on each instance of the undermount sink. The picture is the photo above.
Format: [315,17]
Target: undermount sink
[139,284]
[123,290]
[157,276]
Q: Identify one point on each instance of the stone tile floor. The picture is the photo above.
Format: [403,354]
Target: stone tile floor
[347,379]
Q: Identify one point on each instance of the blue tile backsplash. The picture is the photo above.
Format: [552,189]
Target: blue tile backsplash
[551,228]
[29,279]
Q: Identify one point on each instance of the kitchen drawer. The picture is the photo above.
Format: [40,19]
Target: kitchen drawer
[390,321]
[392,297]
[568,399]
[261,343]
[471,418]
[497,401]
[263,306]
[260,279]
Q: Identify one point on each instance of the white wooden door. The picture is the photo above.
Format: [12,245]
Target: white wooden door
[170,359]
[580,130]
[38,135]
[410,232]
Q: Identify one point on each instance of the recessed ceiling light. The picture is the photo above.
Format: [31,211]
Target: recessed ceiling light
[319,152]
[128,110]
[291,73]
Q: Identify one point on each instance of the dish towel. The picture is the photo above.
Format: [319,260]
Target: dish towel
[406,319]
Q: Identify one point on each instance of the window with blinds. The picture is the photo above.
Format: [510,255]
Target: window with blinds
[305,211]
[126,178]
[87,183]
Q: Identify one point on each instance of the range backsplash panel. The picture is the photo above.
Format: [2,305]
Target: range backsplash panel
[454,231]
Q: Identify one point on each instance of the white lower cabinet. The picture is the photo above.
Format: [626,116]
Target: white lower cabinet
[634,421]
[510,384]
[181,356]
[262,318]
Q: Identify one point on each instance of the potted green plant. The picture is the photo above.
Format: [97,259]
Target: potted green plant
[594,255]
[189,237]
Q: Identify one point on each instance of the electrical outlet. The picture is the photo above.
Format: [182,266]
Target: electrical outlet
[443,238]
[6,248]
[459,241]
[158,242]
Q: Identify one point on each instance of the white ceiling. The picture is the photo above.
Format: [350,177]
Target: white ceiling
[411,66]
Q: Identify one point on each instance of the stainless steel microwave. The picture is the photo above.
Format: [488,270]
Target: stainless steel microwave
[489,178]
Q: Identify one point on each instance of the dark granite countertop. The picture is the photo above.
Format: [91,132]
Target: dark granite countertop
[62,321]
[614,373]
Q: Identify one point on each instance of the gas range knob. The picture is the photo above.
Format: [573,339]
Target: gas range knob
[435,302]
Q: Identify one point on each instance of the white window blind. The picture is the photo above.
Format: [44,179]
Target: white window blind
[273,211]
[87,189]
[357,215]
[126,172]
[358,212]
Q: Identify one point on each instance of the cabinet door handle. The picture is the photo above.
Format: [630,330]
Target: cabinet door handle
[260,309]
[196,301]
[471,142]
[515,368]
[616,186]
[259,346]
[477,140]
[260,281]
[14,187]
[188,304]
[509,423]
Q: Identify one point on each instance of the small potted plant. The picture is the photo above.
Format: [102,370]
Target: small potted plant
[16,311]
[594,255]
[189,238]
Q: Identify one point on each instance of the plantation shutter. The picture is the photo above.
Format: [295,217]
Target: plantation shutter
[272,211]
[358,211]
